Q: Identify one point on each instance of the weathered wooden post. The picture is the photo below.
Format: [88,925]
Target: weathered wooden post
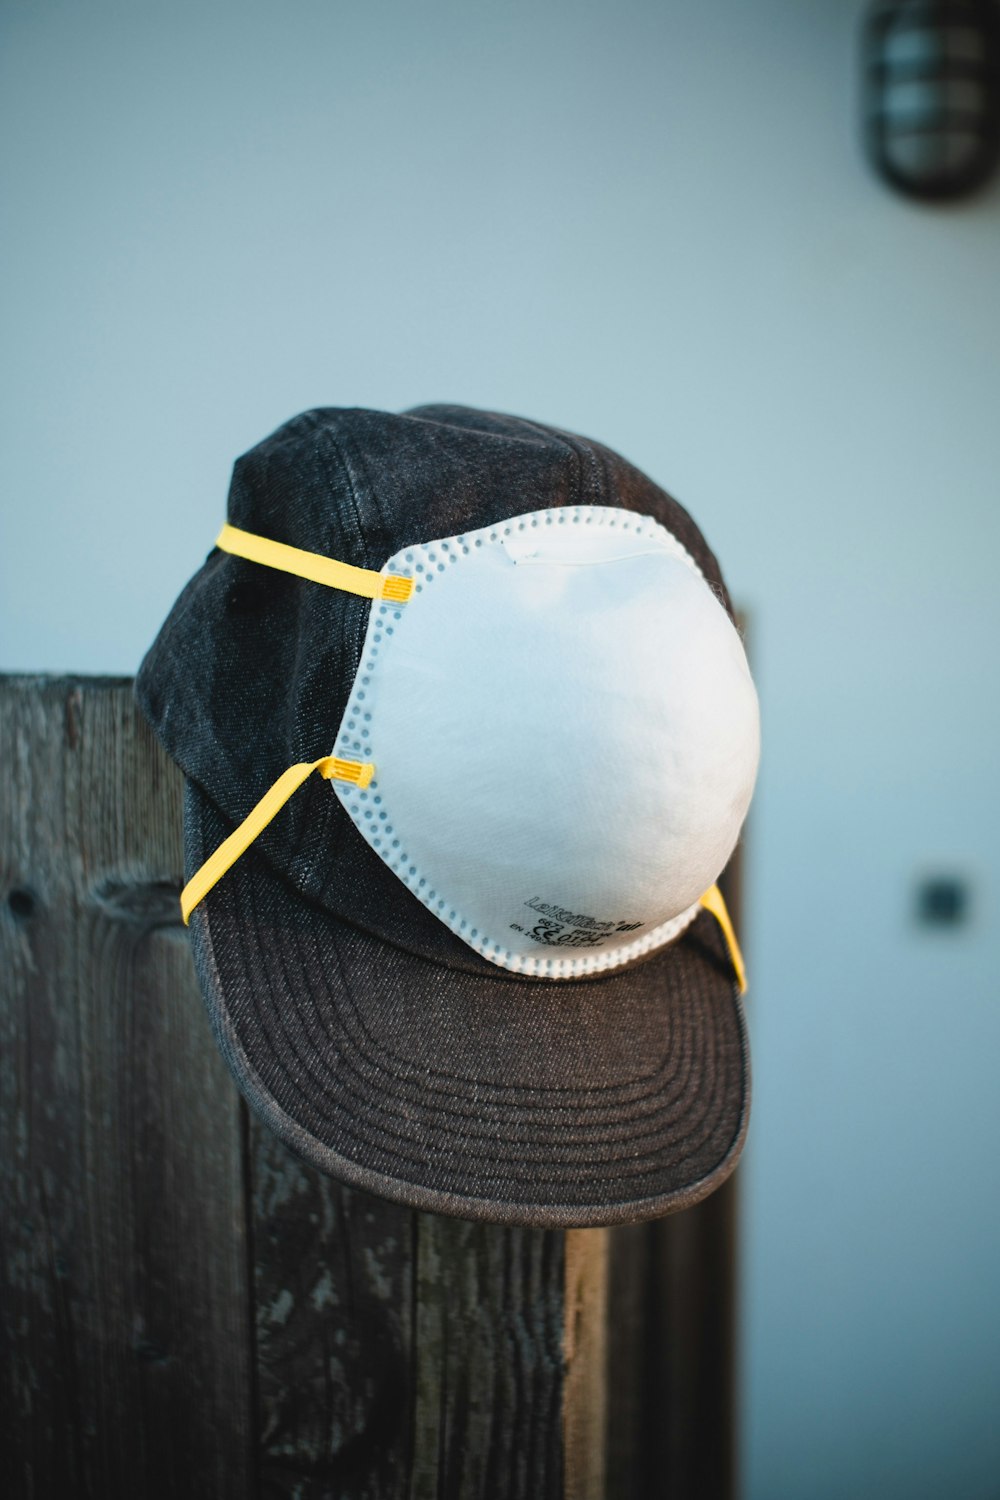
[189,1311]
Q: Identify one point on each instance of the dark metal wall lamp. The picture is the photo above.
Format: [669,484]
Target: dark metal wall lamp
[931,77]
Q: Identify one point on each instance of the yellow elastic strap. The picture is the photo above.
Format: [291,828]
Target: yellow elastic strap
[712,901]
[315,567]
[212,871]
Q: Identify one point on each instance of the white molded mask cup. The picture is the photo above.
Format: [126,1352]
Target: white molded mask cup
[565,737]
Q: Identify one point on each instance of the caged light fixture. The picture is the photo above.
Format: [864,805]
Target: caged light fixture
[931,78]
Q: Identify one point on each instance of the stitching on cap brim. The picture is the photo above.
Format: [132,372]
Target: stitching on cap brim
[414,1195]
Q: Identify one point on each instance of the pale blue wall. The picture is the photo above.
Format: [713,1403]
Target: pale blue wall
[648,221]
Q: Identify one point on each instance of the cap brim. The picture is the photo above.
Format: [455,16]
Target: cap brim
[547,1103]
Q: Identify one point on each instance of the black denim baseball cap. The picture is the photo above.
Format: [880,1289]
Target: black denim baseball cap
[587,1064]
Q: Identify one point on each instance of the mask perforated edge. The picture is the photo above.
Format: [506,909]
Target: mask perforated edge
[421,562]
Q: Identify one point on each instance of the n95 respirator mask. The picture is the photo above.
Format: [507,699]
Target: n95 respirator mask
[552,737]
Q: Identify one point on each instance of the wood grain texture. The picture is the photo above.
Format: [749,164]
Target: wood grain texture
[333,1292]
[632,1402]
[489,1362]
[124,1306]
[585,1348]
[693,1327]
[670,1336]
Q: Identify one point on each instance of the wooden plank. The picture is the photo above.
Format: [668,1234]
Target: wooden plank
[333,1292]
[694,1328]
[585,1352]
[125,1349]
[632,1407]
[408,1355]
[671,1396]
[489,1362]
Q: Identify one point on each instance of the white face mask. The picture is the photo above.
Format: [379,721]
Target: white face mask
[564,736]
[552,738]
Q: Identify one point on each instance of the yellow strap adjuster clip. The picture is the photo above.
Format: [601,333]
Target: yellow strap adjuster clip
[314,566]
[330,767]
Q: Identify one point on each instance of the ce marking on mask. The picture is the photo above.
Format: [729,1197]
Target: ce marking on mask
[559,928]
